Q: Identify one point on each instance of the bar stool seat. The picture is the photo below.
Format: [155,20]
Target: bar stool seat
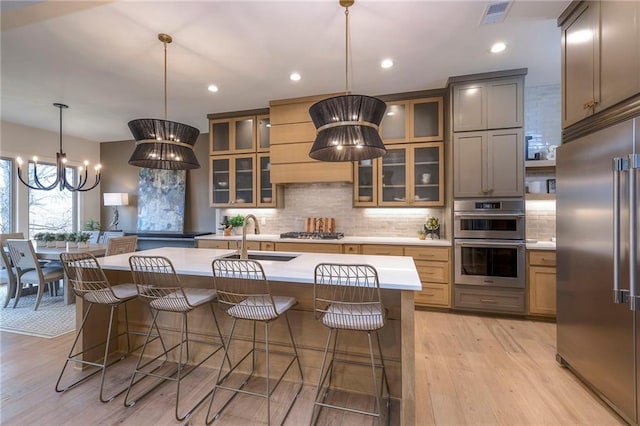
[175,302]
[347,297]
[259,308]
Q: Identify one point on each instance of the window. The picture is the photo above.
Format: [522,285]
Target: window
[54,210]
[6,192]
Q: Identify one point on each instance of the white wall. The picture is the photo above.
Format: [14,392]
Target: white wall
[18,140]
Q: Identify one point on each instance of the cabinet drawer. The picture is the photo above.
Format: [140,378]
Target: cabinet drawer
[351,249]
[433,295]
[490,300]
[309,247]
[542,258]
[213,244]
[382,250]
[433,271]
[267,246]
[251,245]
[427,253]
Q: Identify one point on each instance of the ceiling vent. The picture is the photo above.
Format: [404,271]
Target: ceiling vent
[495,12]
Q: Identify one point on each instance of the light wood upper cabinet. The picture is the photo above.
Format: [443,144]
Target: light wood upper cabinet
[489,163]
[232,135]
[491,104]
[600,57]
[415,120]
[233,180]
[541,281]
[263,133]
[409,175]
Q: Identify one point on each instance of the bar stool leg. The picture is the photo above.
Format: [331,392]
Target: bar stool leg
[321,379]
[209,420]
[268,378]
[384,375]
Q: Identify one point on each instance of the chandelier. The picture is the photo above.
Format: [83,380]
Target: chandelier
[61,180]
[163,144]
[347,126]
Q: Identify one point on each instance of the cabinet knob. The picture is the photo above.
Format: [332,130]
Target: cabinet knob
[592,103]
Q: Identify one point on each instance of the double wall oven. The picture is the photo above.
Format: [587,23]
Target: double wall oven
[489,255]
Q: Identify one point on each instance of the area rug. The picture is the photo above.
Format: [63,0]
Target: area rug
[52,318]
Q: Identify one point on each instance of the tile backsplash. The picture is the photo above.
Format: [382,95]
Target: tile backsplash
[335,200]
[541,219]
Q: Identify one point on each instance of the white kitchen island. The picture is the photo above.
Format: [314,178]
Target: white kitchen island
[398,280]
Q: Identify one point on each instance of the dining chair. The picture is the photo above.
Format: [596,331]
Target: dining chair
[10,236]
[7,276]
[88,281]
[120,245]
[347,297]
[244,290]
[160,288]
[106,235]
[29,271]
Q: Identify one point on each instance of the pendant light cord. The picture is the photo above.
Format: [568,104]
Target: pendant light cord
[346,50]
[165,80]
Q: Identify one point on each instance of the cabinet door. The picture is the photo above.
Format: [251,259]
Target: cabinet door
[234,135]
[579,64]
[505,163]
[505,104]
[469,154]
[220,181]
[469,107]
[244,178]
[426,120]
[542,291]
[364,183]
[395,122]
[392,179]
[428,175]
[263,133]
[619,51]
[266,189]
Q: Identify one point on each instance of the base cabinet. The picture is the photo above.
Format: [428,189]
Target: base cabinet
[541,283]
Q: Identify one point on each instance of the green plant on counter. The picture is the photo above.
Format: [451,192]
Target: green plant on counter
[61,236]
[91,225]
[432,224]
[237,221]
[40,236]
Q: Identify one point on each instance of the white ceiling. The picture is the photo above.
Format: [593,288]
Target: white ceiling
[104,60]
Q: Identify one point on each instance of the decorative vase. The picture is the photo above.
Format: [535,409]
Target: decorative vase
[227,232]
[422,236]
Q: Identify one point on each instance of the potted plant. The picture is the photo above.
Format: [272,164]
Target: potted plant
[432,227]
[226,227]
[61,239]
[82,239]
[422,234]
[39,237]
[91,225]
[50,238]
[236,221]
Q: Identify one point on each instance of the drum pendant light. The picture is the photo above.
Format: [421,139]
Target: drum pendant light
[163,144]
[347,126]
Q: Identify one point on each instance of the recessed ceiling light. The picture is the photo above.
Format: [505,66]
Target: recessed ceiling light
[498,47]
[386,63]
[212,88]
[294,76]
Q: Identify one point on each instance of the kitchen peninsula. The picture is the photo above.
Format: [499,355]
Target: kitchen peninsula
[398,280]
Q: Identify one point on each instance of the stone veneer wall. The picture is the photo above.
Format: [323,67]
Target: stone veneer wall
[335,200]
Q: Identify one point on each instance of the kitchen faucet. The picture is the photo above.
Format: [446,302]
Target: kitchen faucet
[256,230]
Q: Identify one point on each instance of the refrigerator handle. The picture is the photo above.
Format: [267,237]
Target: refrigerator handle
[634,165]
[620,164]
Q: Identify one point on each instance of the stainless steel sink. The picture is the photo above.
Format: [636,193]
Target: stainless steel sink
[275,257]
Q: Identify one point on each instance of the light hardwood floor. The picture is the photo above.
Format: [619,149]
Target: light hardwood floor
[470,370]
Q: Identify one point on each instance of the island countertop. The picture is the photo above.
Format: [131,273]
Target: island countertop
[394,272]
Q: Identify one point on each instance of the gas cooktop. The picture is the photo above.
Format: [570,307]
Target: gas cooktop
[313,235]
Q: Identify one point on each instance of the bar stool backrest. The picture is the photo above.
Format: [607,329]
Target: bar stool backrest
[157,283]
[350,291]
[86,276]
[237,281]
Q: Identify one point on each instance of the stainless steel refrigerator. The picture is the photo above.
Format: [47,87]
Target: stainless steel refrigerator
[598,330]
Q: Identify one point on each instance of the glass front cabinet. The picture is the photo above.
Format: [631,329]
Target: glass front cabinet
[406,176]
[233,180]
[267,191]
[416,120]
[232,135]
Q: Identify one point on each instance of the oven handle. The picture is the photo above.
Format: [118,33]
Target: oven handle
[489,243]
[489,215]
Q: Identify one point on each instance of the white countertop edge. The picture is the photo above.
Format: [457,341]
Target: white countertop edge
[346,240]
[541,245]
[394,272]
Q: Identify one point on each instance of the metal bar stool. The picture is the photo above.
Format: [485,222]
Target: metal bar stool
[160,288]
[347,297]
[89,282]
[243,287]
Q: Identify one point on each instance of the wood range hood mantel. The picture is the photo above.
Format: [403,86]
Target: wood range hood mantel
[292,135]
